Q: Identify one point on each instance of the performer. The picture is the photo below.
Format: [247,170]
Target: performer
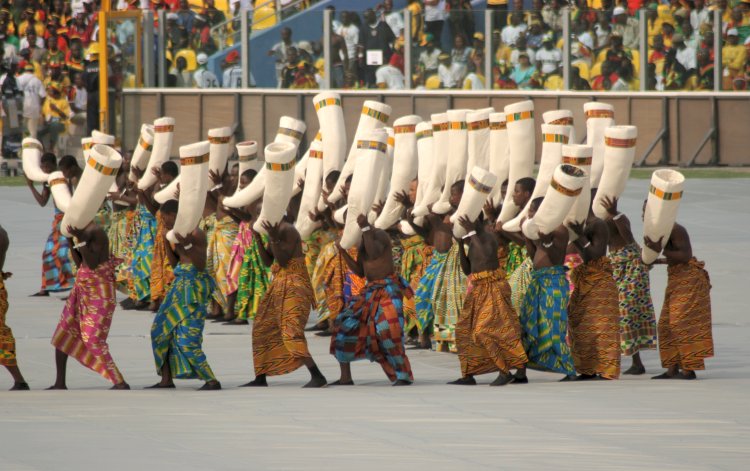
[685,338]
[177,331]
[161,269]
[544,311]
[488,334]
[637,318]
[71,171]
[57,272]
[279,345]
[84,325]
[593,311]
[522,192]
[220,243]
[7,341]
[121,231]
[371,326]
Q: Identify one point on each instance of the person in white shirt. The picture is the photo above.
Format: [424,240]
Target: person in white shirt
[350,32]
[202,77]
[686,56]
[78,104]
[699,15]
[450,75]
[429,58]
[31,39]
[389,76]
[33,94]
[548,58]
[278,52]
[510,33]
[393,19]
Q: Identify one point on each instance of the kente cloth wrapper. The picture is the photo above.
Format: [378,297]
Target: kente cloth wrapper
[685,337]
[193,189]
[142,151]
[160,151]
[562,192]
[57,269]
[498,156]
[424,295]
[662,204]
[279,183]
[161,270]
[516,255]
[247,153]
[458,136]
[370,161]
[438,166]
[220,253]
[478,142]
[519,118]
[339,284]
[561,117]
[143,254]
[84,325]
[405,168]
[544,321]
[372,327]
[488,334]
[381,193]
[253,282]
[207,225]
[332,130]
[637,318]
[58,186]
[599,116]
[579,156]
[519,280]
[502,259]
[177,331]
[572,260]
[312,247]
[312,190]
[554,136]
[478,188]
[117,234]
[415,258]
[448,301]
[374,116]
[99,172]
[125,270]
[279,345]
[7,341]
[619,152]
[169,192]
[242,242]
[594,320]
[31,160]
[219,149]
[425,162]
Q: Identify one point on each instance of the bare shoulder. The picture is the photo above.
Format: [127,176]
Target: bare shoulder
[679,234]
[4,240]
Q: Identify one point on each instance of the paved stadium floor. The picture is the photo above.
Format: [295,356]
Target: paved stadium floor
[633,423]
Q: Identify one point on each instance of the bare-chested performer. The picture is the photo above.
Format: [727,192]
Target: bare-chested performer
[488,334]
[685,337]
[7,341]
[279,345]
[221,240]
[84,326]
[372,324]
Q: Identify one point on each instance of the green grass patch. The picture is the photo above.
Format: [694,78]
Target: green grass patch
[712,172]
[13,181]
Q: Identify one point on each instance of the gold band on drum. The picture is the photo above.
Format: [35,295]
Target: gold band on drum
[57,181]
[565,191]
[620,143]
[379,115]
[88,146]
[391,141]
[600,114]
[457,125]
[103,169]
[248,157]
[403,129]
[477,125]
[197,160]
[511,117]
[372,145]
[327,102]
[319,136]
[568,121]
[663,195]
[423,134]
[558,138]
[293,133]
[440,127]
[279,167]
[164,128]
[585,161]
[501,126]
[33,145]
[315,154]
[145,145]
[218,140]
[479,186]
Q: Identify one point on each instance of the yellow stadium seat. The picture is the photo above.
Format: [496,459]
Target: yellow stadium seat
[583,69]
[190,58]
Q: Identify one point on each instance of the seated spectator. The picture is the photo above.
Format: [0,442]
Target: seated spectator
[653,22]
[501,76]
[675,75]
[625,78]
[548,59]
[451,76]
[183,77]
[74,59]
[684,55]
[80,29]
[705,76]
[417,21]
[519,48]
[576,81]
[733,56]
[477,47]
[502,51]
[213,15]
[461,53]
[56,114]
[617,51]
[535,35]
[512,31]
[606,79]
[350,32]
[389,76]
[603,31]
[626,26]
[201,37]
[429,58]
[582,47]
[667,33]
[692,40]
[740,22]
[523,72]
[473,79]
[658,54]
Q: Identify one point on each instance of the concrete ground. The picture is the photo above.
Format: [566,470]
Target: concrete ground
[633,423]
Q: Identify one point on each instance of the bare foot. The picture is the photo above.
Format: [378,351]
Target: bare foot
[687,375]
[212,385]
[161,386]
[316,382]
[338,382]
[56,386]
[257,382]
[237,322]
[568,378]
[502,379]
[402,382]
[39,293]
[121,386]
[635,370]
[20,386]
[465,381]
[665,375]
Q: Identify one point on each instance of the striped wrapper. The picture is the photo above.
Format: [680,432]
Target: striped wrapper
[562,122]
[57,181]
[498,126]
[33,145]
[440,127]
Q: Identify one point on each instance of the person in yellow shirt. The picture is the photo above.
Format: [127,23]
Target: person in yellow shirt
[733,57]
[56,113]
[653,22]
[417,21]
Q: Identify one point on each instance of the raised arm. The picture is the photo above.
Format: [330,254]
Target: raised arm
[354,265]
[621,222]
[41,198]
